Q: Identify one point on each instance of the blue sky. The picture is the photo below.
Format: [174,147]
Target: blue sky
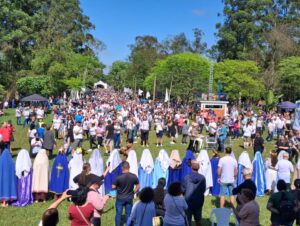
[118,22]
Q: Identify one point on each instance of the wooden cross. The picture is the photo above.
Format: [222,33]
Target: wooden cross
[59,168]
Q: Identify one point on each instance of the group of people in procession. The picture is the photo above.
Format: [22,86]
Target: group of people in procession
[168,187]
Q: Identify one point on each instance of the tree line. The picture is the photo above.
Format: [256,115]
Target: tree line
[46,47]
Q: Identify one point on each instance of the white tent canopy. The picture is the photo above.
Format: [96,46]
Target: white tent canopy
[101,84]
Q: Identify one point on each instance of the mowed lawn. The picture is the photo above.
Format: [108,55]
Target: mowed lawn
[31,215]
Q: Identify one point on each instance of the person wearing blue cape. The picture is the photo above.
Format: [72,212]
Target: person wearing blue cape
[243,163]
[258,175]
[214,161]
[114,163]
[59,181]
[161,167]
[186,163]
[8,179]
[146,169]
[175,168]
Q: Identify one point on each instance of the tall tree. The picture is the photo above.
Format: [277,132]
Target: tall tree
[144,53]
[289,77]
[239,78]
[118,74]
[183,74]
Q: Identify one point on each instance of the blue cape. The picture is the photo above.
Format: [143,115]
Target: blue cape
[240,178]
[174,176]
[145,179]
[8,179]
[159,173]
[111,177]
[59,181]
[186,168]
[259,176]
[215,190]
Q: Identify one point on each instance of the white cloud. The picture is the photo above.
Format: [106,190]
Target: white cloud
[198,12]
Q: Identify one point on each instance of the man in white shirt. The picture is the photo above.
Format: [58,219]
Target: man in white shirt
[56,123]
[144,127]
[227,172]
[271,128]
[280,125]
[285,168]
[212,128]
[78,135]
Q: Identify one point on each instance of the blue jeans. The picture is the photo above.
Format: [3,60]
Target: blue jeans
[279,132]
[119,209]
[117,140]
[270,136]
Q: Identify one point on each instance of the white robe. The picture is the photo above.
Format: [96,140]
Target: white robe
[244,160]
[205,169]
[75,167]
[133,162]
[271,176]
[96,162]
[114,160]
[147,161]
[40,177]
[23,163]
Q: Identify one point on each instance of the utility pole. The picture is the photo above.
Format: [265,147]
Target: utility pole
[154,88]
[211,81]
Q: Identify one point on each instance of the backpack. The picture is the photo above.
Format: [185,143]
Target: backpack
[286,209]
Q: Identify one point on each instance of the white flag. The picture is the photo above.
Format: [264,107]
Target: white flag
[148,95]
[140,92]
[167,96]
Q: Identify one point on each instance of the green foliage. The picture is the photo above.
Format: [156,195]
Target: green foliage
[74,83]
[239,76]
[182,73]
[289,76]
[118,75]
[36,84]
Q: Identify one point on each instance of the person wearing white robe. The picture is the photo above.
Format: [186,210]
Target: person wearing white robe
[271,172]
[133,162]
[205,169]
[243,162]
[161,167]
[146,169]
[75,167]
[40,178]
[96,162]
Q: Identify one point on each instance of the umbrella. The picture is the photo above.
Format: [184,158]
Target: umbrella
[34,98]
[286,105]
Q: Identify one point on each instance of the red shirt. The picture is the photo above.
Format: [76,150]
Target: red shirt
[6,134]
[76,218]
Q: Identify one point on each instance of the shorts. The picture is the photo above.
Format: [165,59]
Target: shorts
[160,134]
[226,189]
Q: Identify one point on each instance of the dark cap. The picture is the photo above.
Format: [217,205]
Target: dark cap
[93,179]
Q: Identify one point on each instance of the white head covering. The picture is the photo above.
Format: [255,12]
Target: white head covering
[175,160]
[133,163]
[244,160]
[164,159]
[147,161]
[281,154]
[114,160]
[205,167]
[75,166]
[96,162]
[40,177]
[23,163]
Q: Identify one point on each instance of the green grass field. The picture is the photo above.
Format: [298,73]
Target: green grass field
[31,215]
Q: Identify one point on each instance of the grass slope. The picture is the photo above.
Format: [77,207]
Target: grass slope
[31,215]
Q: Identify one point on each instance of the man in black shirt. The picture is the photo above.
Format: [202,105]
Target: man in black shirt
[127,184]
[109,137]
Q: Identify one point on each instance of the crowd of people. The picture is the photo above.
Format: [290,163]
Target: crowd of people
[171,190]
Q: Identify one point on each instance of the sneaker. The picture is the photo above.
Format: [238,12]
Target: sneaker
[157,145]
[90,150]
[161,145]
[134,142]
[172,142]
